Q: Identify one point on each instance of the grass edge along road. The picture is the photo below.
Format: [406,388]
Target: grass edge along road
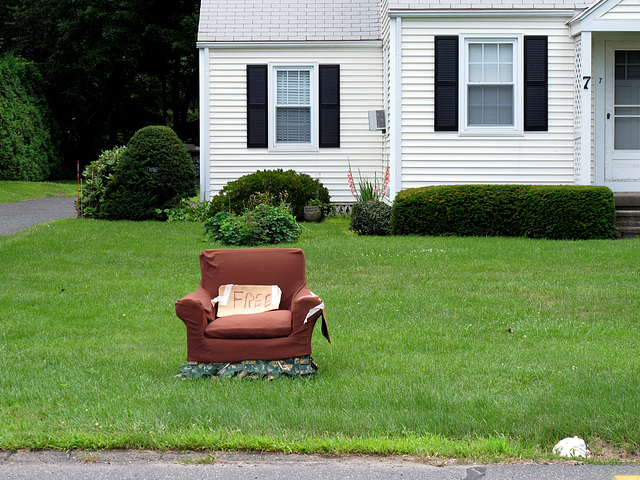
[474,348]
[11,191]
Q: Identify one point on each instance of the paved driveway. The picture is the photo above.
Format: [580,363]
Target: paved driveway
[20,215]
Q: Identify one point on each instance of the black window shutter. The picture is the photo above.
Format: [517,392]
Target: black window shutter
[257,123]
[536,85]
[446,83]
[329,102]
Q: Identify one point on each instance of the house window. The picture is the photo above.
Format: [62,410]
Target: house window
[490,87]
[293,106]
[499,85]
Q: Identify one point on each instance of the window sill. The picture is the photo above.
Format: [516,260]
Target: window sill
[293,148]
[491,132]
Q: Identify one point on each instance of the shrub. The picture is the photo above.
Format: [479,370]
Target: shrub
[571,212]
[371,218]
[554,212]
[297,189]
[27,149]
[265,224]
[185,211]
[95,178]
[155,172]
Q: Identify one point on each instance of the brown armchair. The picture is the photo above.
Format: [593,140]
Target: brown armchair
[272,335]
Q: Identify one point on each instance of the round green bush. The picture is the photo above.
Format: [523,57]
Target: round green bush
[154,173]
[265,224]
[371,218]
[295,189]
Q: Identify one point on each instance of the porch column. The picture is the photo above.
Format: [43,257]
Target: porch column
[395,107]
[205,134]
[585,85]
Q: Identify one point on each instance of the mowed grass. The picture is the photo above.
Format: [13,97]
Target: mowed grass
[465,347]
[11,191]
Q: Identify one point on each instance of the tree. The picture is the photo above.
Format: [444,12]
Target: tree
[27,151]
[111,66]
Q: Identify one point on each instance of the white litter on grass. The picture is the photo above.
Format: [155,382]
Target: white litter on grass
[572,447]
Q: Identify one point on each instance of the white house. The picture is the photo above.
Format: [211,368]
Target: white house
[473,91]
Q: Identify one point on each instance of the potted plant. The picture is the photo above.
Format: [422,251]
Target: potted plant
[313,211]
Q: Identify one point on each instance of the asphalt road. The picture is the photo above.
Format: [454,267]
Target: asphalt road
[239,466]
[21,215]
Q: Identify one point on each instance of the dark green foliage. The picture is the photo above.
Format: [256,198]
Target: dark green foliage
[265,224]
[296,189]
[553,212]
[155,172]
[371,218]
[27,151]
[571,212]
[186,211]
[110,67]
[95,178]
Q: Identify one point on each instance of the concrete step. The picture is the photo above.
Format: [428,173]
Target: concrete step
[628,217]
[629,232]
[627,201]
[627,214]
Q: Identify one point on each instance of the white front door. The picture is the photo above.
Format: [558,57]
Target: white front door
[622,135]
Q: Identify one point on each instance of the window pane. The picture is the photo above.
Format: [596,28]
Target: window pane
[475,72]
[293,125]
[633,72]
[475,102]
[490,72]
[475,52]
[475,115]
[506,72]
[293,87]
[506,53]
[633,56]
[490,53]
[627,134]
[490,105]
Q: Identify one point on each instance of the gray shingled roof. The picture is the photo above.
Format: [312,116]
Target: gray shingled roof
[289,20]
[397,5]
[332,20]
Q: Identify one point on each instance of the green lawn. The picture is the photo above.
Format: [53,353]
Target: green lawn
[18,191]
[470,347]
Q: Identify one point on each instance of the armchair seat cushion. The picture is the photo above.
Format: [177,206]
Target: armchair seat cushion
[272,324]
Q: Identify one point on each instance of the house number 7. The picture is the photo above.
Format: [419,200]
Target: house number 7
[586,82]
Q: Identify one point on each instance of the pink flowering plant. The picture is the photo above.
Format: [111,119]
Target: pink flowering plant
[367,190]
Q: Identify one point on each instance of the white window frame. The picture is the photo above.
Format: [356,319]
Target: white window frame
[312,145]
[518,81]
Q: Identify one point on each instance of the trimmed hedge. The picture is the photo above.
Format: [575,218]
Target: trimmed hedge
[567,212]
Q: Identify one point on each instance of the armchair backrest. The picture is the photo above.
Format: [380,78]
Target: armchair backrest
[284,267]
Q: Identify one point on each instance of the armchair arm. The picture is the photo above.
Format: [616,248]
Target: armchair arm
[306,308]
[196,311]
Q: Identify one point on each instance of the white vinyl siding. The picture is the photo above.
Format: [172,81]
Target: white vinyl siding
[431,158]
[361,90]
